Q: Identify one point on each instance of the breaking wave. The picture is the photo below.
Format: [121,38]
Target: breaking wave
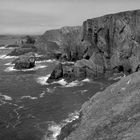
[11,68]
[48,61]
[42,80]
[55,129]
[7,57]
[29,97]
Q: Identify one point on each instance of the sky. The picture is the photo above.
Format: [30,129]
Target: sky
[37,16]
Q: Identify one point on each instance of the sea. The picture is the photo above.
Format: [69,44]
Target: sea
[30,108]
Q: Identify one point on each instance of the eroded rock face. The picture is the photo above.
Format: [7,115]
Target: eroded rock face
[116,39]
[66,40]
[26,61]
[113,114]
[110,43]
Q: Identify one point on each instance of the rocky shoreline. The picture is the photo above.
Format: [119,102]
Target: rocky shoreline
[102,46]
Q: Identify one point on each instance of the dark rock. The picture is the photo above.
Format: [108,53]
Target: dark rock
[66,40]
[12,46]
[115,38]
[25,61]
[113,114]
[56,74]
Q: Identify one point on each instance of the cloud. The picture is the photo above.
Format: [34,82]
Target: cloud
[37,16]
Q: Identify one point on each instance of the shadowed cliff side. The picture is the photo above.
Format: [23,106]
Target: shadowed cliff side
[66,40]
[112,45]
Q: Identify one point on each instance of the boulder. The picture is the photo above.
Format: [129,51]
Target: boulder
[25,61]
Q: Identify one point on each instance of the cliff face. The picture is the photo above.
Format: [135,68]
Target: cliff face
[113,114]
[114,40]
[66,40]
[110,43]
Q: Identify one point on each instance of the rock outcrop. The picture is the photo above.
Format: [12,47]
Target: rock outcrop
[114,40]
[66,40]
[113,114]
[26,61]
[112,44]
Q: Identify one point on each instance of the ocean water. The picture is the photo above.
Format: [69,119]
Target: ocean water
[30,108]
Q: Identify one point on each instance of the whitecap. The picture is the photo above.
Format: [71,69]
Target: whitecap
[42,80]
[67,62]
[7,57]
[51,90]
[29,97]
[73,84]
[83,91]
[42,94]
[55,129]
[1,48]
[11,68]
[38,55]
[61,82]
[5,97]
[8,64]
[46,61]
[86,80]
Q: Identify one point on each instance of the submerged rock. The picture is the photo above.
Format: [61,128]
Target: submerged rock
[25,61]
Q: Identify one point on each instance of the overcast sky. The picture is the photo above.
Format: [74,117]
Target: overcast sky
[37,16]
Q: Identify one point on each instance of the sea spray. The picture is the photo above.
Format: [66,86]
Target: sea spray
[54,130]
[11,68]
[42,79]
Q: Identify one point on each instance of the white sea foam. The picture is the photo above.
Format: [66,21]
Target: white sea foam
[7,57]
[86,80]
[5,97]
[56,128]
[8,64]
[42,80]
[47,61]
[83,91]
[11,68]
[67,62]
[61,82]
[38,55]
[1,48]
[51,90]
[29,97]
[73,84]
[42,94]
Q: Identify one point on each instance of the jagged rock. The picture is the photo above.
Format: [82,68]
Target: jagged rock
[26,61]
[67,40]
[113,114]
[116,38]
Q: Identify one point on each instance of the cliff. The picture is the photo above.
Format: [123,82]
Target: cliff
[66,40]
[114,41]
[113,114]
[111,44]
